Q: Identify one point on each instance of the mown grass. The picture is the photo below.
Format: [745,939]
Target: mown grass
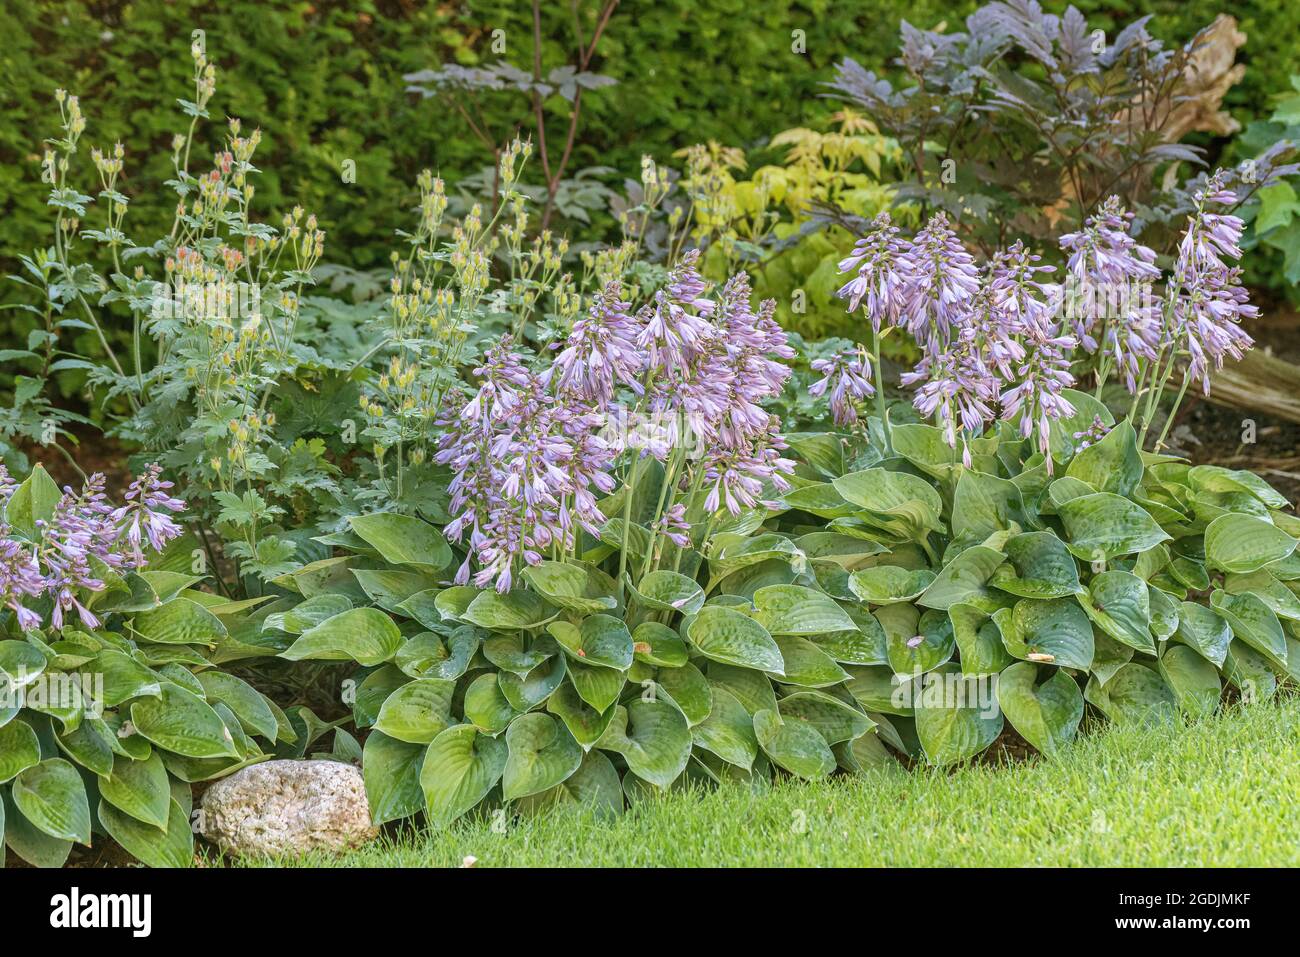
[1220,792]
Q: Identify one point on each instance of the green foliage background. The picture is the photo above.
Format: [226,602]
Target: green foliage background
[324,81]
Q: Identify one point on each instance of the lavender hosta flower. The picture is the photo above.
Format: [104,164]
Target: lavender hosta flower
[1105,266]
[1091,435]
[674,526]
[601,352]
[879,279]
[675,329]
[958,390]
[847,377]
[147,515]
[1037,399]
[736,477]
[20,577]
[941,282]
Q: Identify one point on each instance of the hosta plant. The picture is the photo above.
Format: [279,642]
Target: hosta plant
[110,704]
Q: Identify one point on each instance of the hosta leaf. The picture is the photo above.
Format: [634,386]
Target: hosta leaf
[1046,714]
[404,540]
[391,770]
[820,499]
[485,705]
[889,584]
[687,688]
[1195,682]
[834,720]
[595,784]
[979,640]
[1055,631]
[1120,605]
[52,797]
[389,588]
[794,745]
[512,611]
[373,691]
[963,580]
[795,610]
[728,731]
[364,635]
[309,613]
[571,586]
[807,665]
[1254,623]
[752,689]
[525,692]
[1134,695]
[1108,656]
[1212,478]
[542,753]
[1205,630]
[1164,614]
[668,591]
[653,738]
[19,749]
[1282,600]
[416,712]
[140,789]
[452,603]
[518,653]
[1103,526]
[1250,673]
[866,644]
[1244,543]
[600,640]
[984,504]
[170,846]
[254,714]
[34,500]
[732,638]
[179,622]
[916,643]
[1038,566]
[598,687]
[956,716]
[657,644]
[846,551]
[897,499]
[585,722]
[181,721]
[743,552]
[460,767]
[1112,464]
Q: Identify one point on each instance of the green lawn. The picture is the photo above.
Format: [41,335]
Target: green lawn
[1219,792]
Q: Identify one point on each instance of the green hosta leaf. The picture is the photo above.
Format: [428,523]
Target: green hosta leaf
[1195,682]
[452,603]
[1086,409]
[20,664]
[595,784]
[1134,695]
[979,640]
[963,580]
[1111,465]
[956,716]
[1046,714]
[657,644]
[485,705]
[926,448]
[807,665]
[1164,614]
[509,612]
[170,846]
[309,614]
[391,770]
[1254,623]
[820,499]
[984,504]
[404,540]
[866,644]
[600,640]
[1120,605]
[542,753]
[254,714]
[739,553]
[373,691]
[528,691]
[417,712]
[1282,600]
[753,689]
[364,635]
[889,584]
[1250,673]
[654,739]
[687,688]
[846,551]
[428,655]
[1108,656]
[33,500]
[1055,631]
[834,720]
[898,501]
[728,731]
[52,797]
[571,586]
[140,789]
[598,687]
[795,610]
[19,749]
[669,591]
[585,722]
[182,722]
[1212,478]
[389,588]
[1038,566]
[1244,543]
[732,638]
[460,767]
[179,622]
[1103,526]
[916,643]
[794,745]
[1205,630]
[1066,489]
[880,690]
[518,653]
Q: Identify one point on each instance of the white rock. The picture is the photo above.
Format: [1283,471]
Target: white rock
[288,807]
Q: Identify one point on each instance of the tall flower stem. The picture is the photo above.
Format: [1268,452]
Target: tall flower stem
[634,473]
[1182,391]
[880,393]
